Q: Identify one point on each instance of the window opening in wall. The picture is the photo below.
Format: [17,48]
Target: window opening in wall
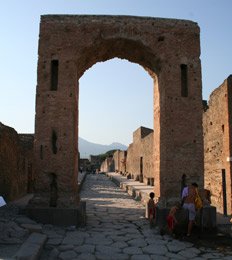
[152,181]
[54,140]
[54,74]
[30,188]
[24,164]
[41,152]
[223,128]
[53,190]
[184,80]
[141,170]
[224,192]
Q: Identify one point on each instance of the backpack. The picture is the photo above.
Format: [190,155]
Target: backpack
[198,201]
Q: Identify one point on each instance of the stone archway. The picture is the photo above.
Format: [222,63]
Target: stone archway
[168,49]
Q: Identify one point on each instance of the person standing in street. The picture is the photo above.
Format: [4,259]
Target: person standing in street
[188,197]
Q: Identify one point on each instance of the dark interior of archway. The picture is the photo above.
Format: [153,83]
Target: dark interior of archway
[133,51]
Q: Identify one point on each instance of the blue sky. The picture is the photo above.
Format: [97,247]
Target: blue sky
[106,115]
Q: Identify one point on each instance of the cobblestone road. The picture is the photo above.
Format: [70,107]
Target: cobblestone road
[116,229]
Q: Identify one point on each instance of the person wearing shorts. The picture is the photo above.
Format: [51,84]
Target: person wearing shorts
[189,196]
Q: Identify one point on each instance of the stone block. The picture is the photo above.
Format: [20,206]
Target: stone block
[32,227]
[208,218]
[181,216]
[60,216]
[31,248]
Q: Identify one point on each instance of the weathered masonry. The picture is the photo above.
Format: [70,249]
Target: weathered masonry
[16,163]
[217,121]
[167,49]
[139,161]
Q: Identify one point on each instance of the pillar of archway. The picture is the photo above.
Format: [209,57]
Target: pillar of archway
[168,49]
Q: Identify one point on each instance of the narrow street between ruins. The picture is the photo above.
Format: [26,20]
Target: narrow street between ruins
[116,229]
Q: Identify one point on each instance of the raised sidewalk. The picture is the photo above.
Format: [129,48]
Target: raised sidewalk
[138,190]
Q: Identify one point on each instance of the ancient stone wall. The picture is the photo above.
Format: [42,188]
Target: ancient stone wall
[217,121]
[122,161]
[123,158]
[116,159]
[140,155]
[108,165]
[27,146]
[95,161]
[16,163]
[119,159]
[84,165]
[130,167]
[147,155]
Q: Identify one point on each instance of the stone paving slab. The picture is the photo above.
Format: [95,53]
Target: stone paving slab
[141,192]
[116,229]
[32,227]
[67,255]
[138,190]
[31,249]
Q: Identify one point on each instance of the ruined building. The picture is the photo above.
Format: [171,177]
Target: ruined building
[137,161]
[217,125]
[119,161]
[16,163]
[168,49]
[140,155]
[108,165]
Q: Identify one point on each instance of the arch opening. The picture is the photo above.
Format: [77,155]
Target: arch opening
[133,51]
[125,101]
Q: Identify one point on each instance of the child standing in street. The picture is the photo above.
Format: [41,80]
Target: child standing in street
[151,209]
[171,218]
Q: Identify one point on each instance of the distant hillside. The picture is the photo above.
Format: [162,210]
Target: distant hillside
[87,148]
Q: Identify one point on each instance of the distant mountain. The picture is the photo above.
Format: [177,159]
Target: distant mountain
[87,148]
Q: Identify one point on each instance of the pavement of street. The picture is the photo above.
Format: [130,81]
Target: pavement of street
[141,191]
[116,229]
[138,190]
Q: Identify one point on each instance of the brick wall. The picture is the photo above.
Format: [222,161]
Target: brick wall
[140,154]
[217,121]
[16,163]
[168,49]
[108,165]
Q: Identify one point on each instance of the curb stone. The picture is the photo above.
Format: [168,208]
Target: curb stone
[32,247]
